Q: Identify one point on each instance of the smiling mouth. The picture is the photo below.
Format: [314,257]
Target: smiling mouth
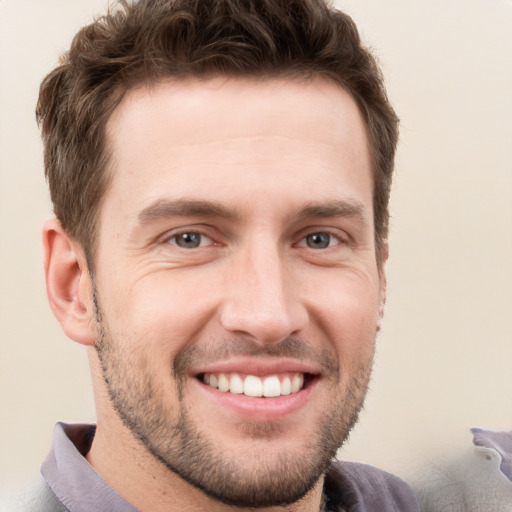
[251,385]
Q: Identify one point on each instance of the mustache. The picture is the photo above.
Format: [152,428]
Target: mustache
[199,353]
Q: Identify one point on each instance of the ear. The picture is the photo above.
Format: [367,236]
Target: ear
[68,283]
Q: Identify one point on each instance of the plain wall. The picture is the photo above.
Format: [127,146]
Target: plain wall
[444,357]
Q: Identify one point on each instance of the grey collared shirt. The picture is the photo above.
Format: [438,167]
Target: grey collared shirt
[72,479]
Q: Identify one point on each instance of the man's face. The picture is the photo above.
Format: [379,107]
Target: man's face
[236,258]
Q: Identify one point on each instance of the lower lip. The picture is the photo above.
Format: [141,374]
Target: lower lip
[261,409]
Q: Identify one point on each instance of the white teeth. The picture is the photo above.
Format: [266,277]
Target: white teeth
[297,382]
[286,386]
[271,386]
[223,383]
[253,386]
[236,384]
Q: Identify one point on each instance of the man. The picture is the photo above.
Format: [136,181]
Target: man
[220,174]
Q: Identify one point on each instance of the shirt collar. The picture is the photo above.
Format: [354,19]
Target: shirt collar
[72,479]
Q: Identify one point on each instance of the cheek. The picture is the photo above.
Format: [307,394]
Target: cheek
[349,315]
[162,310]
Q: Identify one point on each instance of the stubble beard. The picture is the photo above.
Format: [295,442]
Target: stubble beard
[252,482]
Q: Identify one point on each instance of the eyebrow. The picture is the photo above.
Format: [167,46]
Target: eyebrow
[164,209]
[336,208]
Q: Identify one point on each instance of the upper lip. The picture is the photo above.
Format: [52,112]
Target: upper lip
[260,367]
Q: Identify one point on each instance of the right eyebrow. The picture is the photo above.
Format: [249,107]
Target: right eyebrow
[165,208]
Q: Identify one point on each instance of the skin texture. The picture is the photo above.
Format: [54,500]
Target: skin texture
[255,170]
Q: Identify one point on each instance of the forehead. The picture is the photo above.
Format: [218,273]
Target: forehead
[220,135]
[253,106]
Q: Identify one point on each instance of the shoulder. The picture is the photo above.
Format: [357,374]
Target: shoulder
[365,488]
[36,497]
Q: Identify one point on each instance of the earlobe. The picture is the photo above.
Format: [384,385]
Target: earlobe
[68,283]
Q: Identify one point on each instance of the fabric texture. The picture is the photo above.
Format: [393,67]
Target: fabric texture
[71,485]
[477,480]
[500,442]
[37,497]
[357,487]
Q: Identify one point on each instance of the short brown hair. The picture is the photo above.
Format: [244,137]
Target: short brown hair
[150,40]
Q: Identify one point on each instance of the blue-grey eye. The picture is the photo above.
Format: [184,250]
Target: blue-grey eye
[318,240]
[188,240]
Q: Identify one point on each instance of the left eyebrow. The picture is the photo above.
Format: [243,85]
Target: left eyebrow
[337,208]
[164,208]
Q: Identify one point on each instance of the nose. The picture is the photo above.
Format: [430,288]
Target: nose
[263,300]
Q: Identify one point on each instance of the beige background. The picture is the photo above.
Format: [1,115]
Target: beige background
[445,355]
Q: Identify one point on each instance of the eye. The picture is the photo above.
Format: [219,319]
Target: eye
[320,240]
[190,240]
